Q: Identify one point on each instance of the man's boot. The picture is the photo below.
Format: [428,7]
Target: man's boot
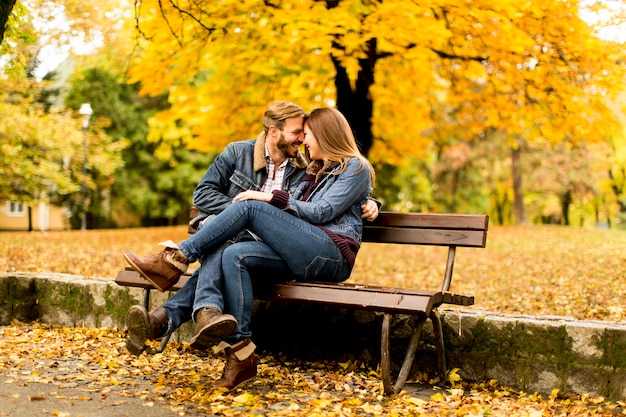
[164,269]
[144,326]
[211,327]
[240,364]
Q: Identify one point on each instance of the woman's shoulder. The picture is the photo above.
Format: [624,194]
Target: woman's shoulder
[357,163]
[353,160]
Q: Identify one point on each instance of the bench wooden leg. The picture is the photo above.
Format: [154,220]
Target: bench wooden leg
[441,353]
[388,385]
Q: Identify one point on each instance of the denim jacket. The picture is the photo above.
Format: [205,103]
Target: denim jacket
[241,166]
[336,202]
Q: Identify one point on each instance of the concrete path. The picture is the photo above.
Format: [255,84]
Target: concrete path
[44,400]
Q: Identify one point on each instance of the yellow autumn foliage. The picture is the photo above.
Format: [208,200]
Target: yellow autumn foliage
[440,69]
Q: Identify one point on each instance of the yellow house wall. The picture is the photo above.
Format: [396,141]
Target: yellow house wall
[43,216]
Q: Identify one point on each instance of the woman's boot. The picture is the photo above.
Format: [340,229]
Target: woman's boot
[240,364]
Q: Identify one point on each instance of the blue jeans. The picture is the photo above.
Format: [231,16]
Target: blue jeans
[289,244]
[203,289]
[244,262]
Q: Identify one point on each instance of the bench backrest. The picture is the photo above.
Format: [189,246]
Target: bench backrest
[469,230]
[451,230]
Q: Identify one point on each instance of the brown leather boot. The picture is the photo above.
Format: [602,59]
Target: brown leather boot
[144,326]
[240,364]
[211,327]
[163,270]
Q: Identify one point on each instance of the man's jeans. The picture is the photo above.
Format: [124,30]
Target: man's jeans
[203,289]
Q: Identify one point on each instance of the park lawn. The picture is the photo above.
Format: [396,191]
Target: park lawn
[529,270]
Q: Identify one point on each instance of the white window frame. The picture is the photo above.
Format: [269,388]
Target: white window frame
[15,209]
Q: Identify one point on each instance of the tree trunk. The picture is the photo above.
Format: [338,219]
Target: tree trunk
[5,11]
[357,104]
[566,201]
[518,192]
[500,206]
[618,189]
[30,218]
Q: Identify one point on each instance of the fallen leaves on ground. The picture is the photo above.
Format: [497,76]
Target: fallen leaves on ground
[96,359]
[531,270]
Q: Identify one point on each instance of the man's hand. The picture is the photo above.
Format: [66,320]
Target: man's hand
[370,210]
[253,195]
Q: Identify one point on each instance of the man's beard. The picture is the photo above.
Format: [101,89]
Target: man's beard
[286,147]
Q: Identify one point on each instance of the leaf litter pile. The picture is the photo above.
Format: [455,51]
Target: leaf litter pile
[535,270]
[96,360]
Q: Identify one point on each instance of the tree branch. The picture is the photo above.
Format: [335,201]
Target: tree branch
[5,11]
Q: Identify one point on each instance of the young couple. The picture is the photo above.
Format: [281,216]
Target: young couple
[264,209]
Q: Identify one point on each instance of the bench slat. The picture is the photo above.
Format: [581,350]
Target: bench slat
[437,237]
[432,220]
[358,297]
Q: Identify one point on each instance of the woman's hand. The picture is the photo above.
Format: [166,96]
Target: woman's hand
[370,210]
[253,195]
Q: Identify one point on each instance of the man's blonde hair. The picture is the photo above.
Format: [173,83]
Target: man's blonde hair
[279,111]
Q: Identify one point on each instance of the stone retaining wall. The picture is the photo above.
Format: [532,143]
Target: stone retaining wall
[533,354]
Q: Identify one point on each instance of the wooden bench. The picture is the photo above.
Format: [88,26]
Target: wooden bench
[451,230]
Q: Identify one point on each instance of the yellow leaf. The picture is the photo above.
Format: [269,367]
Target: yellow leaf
[438,397]
[245,398]
[454,377]
[554,394]
[418,401]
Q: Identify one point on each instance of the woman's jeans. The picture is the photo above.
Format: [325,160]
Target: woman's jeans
[290,247]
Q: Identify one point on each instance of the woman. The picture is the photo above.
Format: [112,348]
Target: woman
[313,235]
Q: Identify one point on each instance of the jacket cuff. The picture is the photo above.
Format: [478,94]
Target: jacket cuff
[279,199]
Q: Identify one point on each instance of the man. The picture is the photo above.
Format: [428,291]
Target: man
[272,161]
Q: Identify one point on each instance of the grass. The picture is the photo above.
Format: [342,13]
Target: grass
[532,270]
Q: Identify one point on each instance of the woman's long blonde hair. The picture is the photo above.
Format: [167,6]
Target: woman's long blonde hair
[335,138]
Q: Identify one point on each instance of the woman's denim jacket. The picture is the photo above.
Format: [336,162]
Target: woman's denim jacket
[336,202]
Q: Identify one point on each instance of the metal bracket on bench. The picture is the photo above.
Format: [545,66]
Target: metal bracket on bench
[394,388]
[441,353]
[388,385]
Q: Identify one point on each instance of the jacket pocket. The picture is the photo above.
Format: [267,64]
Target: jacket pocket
[239,179]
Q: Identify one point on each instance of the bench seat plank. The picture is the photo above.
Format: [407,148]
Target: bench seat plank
[355,296]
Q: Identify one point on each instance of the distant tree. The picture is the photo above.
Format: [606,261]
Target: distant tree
[157,191]
[42,153]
